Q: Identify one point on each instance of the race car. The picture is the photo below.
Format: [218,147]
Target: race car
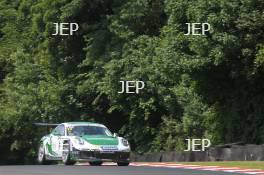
[83,141]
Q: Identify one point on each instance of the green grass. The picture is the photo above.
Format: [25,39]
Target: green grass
[240,164]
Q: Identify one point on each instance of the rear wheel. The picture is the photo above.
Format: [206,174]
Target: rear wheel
[42,156]
[122,163]
[96,163]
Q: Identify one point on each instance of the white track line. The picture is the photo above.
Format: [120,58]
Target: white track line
[193,167]
[198,167]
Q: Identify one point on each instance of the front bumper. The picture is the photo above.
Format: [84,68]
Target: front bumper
[117,156]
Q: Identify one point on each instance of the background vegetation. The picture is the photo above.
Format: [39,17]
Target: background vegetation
[196,86]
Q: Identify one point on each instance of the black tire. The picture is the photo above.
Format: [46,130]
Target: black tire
[96,163]
[66,158]
[42,156]
[122,163]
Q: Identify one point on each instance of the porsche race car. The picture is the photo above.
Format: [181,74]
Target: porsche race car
[83,141]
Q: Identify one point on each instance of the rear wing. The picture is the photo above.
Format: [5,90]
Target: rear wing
[48,126]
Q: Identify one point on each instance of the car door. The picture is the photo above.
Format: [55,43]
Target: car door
[55,139]
[60,140]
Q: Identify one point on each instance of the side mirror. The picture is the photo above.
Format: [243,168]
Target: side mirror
[115,135]
[56,133]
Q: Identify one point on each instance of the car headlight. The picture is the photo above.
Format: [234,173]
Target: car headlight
[125,142]
[79,141]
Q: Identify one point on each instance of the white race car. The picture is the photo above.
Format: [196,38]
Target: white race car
[83,141]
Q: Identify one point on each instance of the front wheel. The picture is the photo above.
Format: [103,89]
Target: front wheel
[66,158]
[95,163]
[122,163]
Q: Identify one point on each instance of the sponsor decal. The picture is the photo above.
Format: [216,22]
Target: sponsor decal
[109,148]
[49,148]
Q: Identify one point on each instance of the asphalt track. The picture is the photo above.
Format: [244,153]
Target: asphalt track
[102,170]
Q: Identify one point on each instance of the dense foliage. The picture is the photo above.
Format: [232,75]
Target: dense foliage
[196,86]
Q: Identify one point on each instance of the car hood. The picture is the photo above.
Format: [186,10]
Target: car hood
[100,139]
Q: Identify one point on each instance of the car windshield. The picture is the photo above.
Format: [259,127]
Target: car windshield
[87,130]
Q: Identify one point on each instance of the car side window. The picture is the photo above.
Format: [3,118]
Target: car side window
[59,130]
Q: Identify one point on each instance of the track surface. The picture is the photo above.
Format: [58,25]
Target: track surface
[102,170]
